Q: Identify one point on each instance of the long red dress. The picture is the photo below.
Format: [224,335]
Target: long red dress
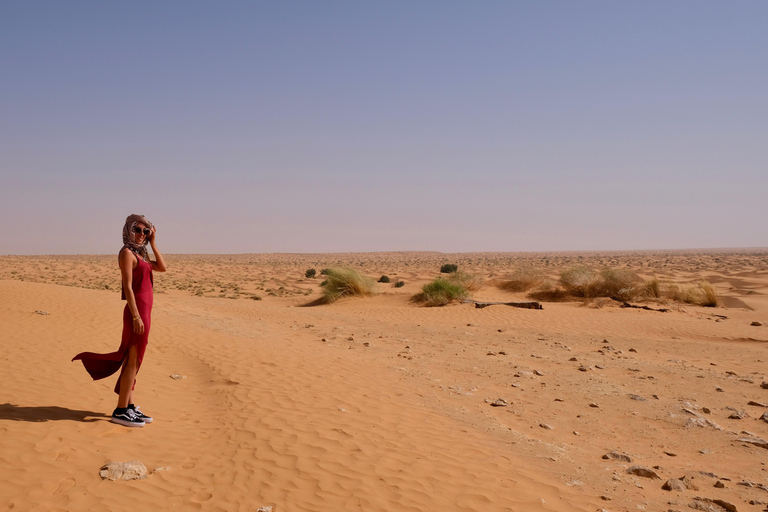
[100,366]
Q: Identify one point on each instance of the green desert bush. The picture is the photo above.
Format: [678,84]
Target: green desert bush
[399,284]
[447,268]
[311,273]
[384,279]
[346,282]
[441,292]
[522,280]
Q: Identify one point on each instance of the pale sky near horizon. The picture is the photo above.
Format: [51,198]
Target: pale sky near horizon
[243,127]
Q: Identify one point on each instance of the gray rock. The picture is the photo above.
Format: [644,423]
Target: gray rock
[499,402]
[757,404]
[131,470]
[637,397]
[548,427]
[738,415]
[644,472]
[41,312]
[764,417]
[264,509]
[674,484]
[176,376]
[762,443]
[617,456]
[710,505]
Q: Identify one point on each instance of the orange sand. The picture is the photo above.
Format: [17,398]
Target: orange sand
[377,403]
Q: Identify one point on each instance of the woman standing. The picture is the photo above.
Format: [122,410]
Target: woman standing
[136,271]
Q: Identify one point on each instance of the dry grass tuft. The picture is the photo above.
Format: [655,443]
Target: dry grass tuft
[346,282]
[620,284]
[470,282]
[441,292]
[708,294]
[549,293]
[653,288]
[700,294]
[580,281]
[522,280]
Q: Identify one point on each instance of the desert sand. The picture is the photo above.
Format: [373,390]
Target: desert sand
[379,404]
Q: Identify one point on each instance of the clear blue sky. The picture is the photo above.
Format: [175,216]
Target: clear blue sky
[366,126]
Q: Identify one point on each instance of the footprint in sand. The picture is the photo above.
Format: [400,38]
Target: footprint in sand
[64,485]
[63,454]
[201,496]
[188,465]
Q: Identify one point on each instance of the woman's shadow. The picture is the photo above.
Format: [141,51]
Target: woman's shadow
[46,413]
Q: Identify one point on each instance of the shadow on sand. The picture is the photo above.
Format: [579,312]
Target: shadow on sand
[317,302]
[46,413]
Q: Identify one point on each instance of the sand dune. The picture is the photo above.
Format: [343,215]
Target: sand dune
[378,404]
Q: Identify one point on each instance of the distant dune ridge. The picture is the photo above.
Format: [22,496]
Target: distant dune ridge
[377,403]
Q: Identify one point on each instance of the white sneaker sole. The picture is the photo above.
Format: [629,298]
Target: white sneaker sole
[127,423]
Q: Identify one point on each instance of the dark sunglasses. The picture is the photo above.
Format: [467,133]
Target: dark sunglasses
[138,231]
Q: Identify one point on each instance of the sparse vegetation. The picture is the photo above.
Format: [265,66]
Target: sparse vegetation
[700,294]
[346,282]
[384,279]
[310,274]
[522,280]
[441,292]
[447,268]
[399,284]
[469,281]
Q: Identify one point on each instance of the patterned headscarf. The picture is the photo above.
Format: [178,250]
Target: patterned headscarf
[129,237]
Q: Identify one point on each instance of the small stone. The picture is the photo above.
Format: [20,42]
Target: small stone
[41,312]
[502,353]
[719,389]
[499,402]
[537,372]
[762,443]
[705,451]
[131,470]
[757,324]
[738,415]
[643,471]
[501,330]
[637,397]
[764,385]
[573,359]
[594,405]
[674,484]
[548,427]
[705,410]
[719,484]
[764,417]
[633,350]
[583,368]
[176,376]
[670,454]
[264,509]
[617,456]
[491,354]
[161,468]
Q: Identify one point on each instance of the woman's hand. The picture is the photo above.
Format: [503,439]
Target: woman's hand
[138,325]
[151,238]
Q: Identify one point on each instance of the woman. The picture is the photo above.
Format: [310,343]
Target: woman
[136,270]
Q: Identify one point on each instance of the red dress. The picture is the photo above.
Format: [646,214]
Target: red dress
[100,366]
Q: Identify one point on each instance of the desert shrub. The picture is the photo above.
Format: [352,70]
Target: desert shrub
[700,294]
[579,281]
[399,284]
[549,293]
[346,282]
[324,283]
[469,281]
[447,268]
[311,273]
[653,288]
[708,294]
[384,279]
[441,292]
[522,280]
[324,272]
[619,284]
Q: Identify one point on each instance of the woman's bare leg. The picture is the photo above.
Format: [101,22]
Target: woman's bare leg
[127,378]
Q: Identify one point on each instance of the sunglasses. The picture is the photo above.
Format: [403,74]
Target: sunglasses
[139,231]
